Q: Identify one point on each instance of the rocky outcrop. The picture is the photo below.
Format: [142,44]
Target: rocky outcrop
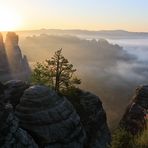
[14,89]
[2,88]
[93,118]
[11,135]
[12,63]
[4,66]
[18,64]
[134,119]
[50,119]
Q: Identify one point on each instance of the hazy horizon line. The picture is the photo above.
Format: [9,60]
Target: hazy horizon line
[29,30]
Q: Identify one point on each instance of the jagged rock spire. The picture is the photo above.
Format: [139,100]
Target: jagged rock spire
[4,66]
[18,65]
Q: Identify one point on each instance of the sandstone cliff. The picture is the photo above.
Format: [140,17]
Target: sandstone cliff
[17,62]
[13,65]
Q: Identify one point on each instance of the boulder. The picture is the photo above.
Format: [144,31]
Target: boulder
[11,136]
[50,119]
[14,89]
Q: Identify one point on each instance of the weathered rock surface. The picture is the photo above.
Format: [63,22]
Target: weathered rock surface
[50,119]
[134,119]
[18,63]
[2,88]
[11,136]
[93,118]
[14,89]
[4,66]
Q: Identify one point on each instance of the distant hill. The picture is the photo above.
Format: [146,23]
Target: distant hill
[86,33]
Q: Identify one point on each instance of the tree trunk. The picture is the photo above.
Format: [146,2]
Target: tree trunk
[57,76]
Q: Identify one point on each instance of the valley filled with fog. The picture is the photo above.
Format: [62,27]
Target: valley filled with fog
[137,47]
[111,68]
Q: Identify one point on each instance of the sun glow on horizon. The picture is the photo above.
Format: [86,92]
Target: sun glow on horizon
[9,19]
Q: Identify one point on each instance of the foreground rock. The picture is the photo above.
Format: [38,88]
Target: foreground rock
[14,89]
[134,119]
[93,118]
[50,119]
[11,135]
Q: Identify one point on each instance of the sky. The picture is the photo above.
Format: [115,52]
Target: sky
[128,15]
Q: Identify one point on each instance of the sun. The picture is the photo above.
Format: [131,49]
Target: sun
[9,20]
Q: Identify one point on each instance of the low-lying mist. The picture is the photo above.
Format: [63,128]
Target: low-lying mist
[104,68]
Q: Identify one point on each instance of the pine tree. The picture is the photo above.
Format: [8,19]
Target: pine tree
[56,72]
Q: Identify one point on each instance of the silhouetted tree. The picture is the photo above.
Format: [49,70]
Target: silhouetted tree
[41,74]
[56,72]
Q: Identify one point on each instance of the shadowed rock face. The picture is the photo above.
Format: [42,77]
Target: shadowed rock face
[2,88]
[93,118]
[18,63]
[134,119]
[12,63]
[14,89]
[4,66]
[14,52]
[50,119]
[11,136]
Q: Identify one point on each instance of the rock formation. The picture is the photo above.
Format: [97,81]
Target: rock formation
[18,63]
[1,88]
[93,118]
[14,89]
[4,66]
[11,135]
[47,120]
[134,119]
[50,119]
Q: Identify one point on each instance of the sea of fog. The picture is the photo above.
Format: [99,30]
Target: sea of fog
[137,47]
